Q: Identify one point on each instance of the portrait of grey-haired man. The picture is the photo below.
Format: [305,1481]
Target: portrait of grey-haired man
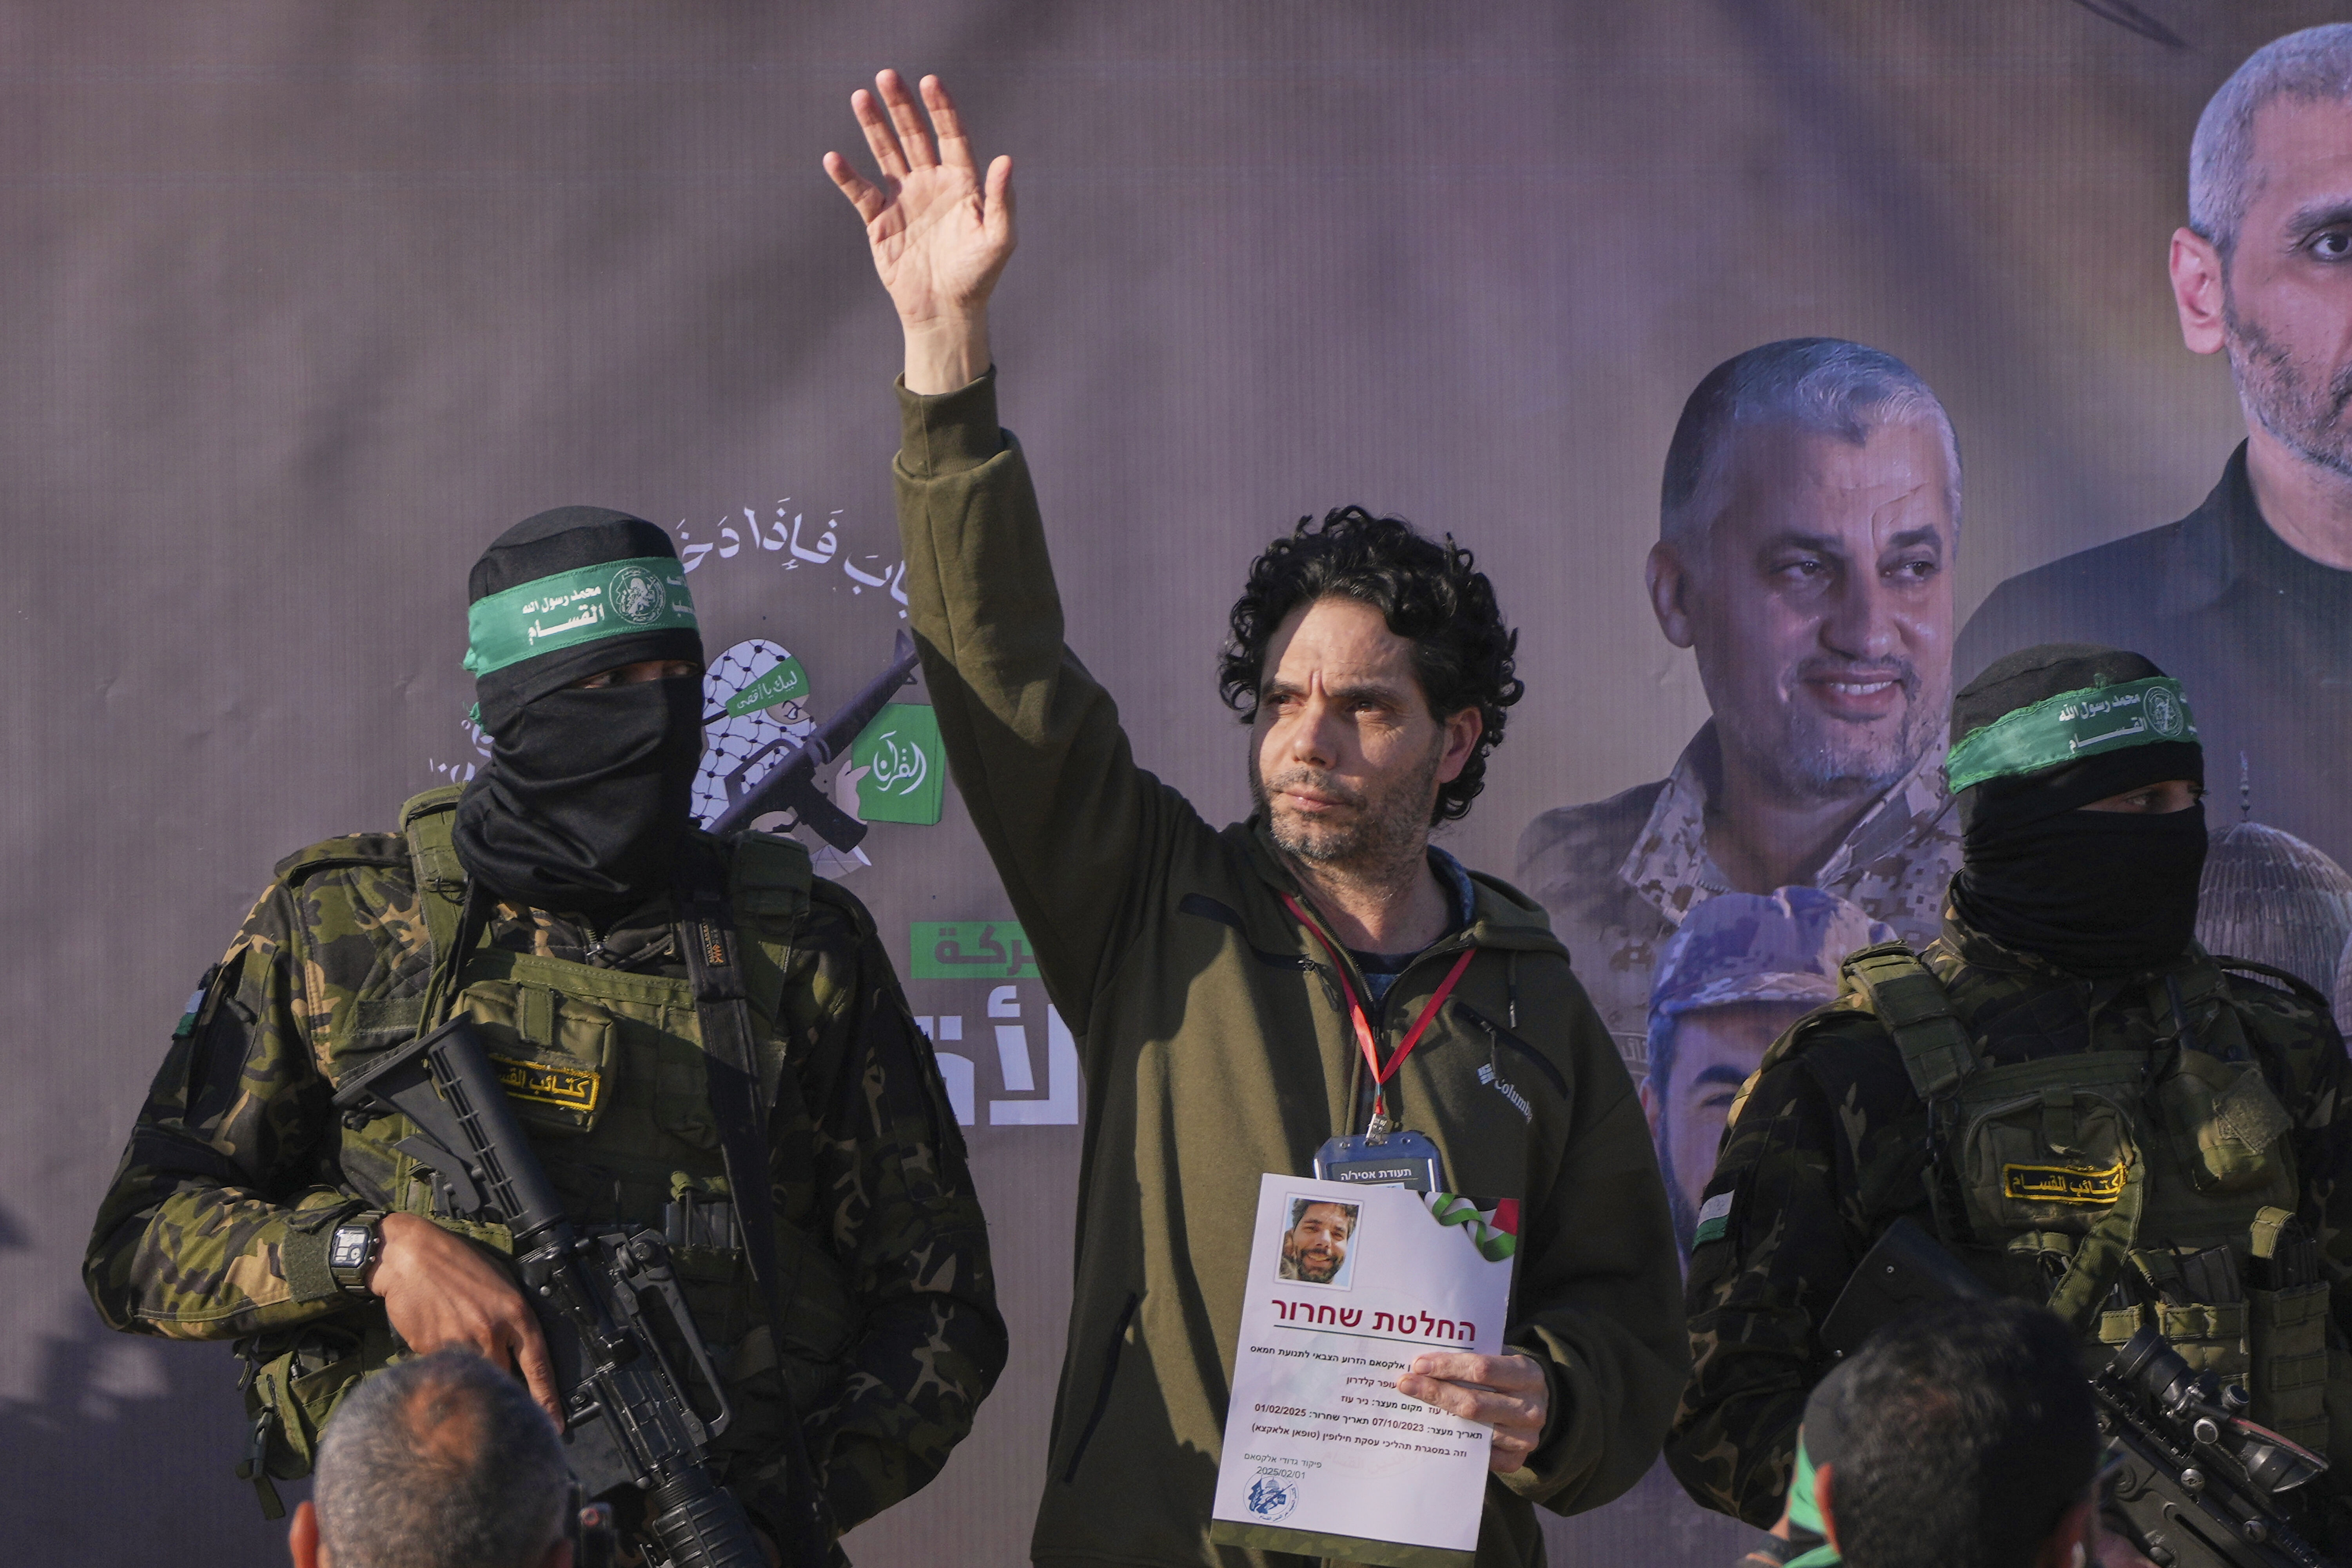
[1808,517]
[2246,599]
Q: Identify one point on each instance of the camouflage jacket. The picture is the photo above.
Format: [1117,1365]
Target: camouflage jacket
[1618,875]
[1829,1148]
[216,1225]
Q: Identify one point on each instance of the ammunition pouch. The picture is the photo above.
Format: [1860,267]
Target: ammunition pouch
[2128,1189]
[294,1380]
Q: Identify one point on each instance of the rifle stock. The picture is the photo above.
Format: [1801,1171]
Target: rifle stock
[2200,1486]
[628,1419]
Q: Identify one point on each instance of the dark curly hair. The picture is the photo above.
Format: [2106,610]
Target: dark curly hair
[1428,592]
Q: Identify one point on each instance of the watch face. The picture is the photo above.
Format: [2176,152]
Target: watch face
[349,1249]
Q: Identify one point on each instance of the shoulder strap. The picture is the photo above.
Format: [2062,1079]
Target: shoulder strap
[1911,1001]
[335,852]
[714,964]
[770,886]
[454,913]
[1912,1006]
[426,820]
[770,878]
[2295,985]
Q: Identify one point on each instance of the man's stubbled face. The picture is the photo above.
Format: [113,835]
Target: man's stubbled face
[1819,605]
[1346,757]
[2287,288]
[1315,1248]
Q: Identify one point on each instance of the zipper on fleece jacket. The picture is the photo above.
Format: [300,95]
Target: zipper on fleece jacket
[1359,1078]
[1503,1036]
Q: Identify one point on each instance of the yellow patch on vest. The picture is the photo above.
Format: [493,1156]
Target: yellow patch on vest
[2085,1185]
[566,1087]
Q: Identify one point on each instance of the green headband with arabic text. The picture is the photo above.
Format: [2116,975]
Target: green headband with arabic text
[2072,725]
[588,604]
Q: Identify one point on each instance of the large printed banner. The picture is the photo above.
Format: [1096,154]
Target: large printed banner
[303,305]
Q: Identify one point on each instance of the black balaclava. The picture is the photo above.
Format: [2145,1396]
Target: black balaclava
[2099,894]
[586,793]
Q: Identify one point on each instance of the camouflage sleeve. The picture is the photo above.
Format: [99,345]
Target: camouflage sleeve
[2317,1075]
[903,1219]
[213,1227]
[1756,1291]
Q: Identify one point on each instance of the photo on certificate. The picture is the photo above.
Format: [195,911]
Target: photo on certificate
[1318,1242]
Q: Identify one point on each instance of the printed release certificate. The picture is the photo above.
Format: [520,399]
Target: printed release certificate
[1347,1284]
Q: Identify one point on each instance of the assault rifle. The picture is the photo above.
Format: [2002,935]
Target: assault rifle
[2199,1484]
[790,785]
[628,1421]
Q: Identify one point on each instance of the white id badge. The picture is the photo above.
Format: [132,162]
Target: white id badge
[1399,1159]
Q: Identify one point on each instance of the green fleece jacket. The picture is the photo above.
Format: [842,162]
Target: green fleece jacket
[1214,1049]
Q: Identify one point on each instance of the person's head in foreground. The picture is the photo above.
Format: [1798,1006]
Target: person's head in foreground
[1807,519]
[2080,780]
[1315,1247]
[440,1462]
[587,659]
[1961,1436]
[1373,668]
[1742,968]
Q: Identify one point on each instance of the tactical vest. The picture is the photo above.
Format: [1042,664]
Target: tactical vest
[2136,1185]
[606,1069]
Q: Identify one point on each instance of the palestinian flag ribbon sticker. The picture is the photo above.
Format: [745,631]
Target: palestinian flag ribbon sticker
[1492,1224]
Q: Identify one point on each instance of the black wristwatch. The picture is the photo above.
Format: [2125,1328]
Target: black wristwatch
[352,1250]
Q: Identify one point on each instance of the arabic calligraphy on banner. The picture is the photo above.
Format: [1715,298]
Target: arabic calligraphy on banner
[1013,1060]
[791,544]
[905,765]
[785,681]
[969,950]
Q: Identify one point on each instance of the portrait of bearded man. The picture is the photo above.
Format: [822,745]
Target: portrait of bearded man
[2245,598]
[1315,1247]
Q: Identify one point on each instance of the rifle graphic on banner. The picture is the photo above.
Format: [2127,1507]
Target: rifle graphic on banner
[790,785]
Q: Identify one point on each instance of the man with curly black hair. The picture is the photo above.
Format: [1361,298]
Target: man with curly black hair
[1429,594]
[1242,996]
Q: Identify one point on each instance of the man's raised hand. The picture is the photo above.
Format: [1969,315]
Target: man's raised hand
[941,234]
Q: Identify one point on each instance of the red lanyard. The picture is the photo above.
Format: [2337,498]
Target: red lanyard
[1381,1076]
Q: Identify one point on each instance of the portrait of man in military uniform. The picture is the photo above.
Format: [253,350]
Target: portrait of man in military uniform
[2247,597]
[1808,518]
[1740,968]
